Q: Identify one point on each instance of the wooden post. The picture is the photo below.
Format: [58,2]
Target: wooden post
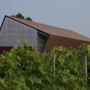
[85,63]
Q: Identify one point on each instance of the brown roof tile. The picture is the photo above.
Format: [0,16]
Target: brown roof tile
[52,30]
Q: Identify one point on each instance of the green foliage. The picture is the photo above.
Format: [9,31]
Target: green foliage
[24,69]
[89,65]
[89,57]
[29,19]
[19,15]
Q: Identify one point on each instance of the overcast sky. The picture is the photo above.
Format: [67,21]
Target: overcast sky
[69,14]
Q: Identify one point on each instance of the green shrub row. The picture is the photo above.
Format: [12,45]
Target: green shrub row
[57,69]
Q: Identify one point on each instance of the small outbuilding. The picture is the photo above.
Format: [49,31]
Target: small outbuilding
[41,36]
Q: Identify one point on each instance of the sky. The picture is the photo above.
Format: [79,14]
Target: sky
[69,14]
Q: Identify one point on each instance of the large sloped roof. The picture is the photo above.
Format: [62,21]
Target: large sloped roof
[52,30]
[57,36]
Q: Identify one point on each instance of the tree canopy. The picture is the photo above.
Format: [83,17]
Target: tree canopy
[19,15]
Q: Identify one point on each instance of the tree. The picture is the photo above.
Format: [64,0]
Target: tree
[28,18]
[19,15]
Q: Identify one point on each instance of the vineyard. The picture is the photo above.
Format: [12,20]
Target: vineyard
[58,69]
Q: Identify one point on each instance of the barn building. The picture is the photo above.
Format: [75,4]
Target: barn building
[41,36]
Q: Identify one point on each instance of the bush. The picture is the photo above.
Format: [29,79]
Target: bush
[25,69]
[89,65]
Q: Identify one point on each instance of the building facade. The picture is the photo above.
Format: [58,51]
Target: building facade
[14,32]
